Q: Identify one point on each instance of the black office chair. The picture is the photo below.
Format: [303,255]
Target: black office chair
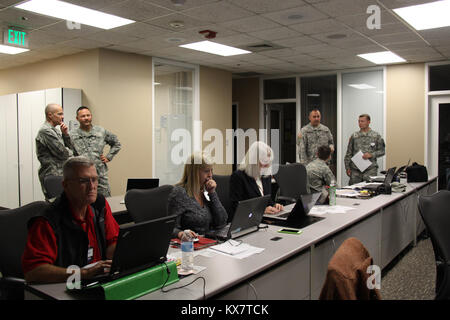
[53,186]
[13,237]
[223,190]
[435,213]
[292,182]
[148,204]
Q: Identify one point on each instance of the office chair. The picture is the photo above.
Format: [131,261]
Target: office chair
[53,186]
[147,204]
[223,190]
[347,274]
[292,182]
[436,216]
[13,237]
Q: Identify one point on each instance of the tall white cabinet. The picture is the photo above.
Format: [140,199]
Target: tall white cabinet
[24,114]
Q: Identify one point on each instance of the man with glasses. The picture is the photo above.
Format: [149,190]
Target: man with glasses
[77,229]
[53,147]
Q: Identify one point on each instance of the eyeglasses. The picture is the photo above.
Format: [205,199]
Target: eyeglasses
[93,180]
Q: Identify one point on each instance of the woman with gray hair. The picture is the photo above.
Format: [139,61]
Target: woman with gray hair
[254,177]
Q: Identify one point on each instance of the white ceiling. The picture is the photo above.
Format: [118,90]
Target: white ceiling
[306,36]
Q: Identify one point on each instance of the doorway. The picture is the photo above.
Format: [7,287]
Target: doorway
[444,146]
[281,116]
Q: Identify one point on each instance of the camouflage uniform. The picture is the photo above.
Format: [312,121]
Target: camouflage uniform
[91,144]
[311,139]
[319,175]
[52,150]
[370,142]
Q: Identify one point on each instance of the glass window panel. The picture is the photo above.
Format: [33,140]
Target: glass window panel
[279,88]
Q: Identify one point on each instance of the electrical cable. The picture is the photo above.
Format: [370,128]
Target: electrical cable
[167,279]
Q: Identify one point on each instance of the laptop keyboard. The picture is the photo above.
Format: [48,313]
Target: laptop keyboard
[223,233]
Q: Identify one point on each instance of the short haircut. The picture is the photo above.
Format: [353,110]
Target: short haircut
[323,152]
[81,108]
[51,107]
[365,115]
[72,163]
[314,110]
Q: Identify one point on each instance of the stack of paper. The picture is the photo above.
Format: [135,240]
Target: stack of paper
[235,249]
[320,210]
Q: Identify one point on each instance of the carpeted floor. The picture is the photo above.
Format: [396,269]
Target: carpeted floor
[412,275]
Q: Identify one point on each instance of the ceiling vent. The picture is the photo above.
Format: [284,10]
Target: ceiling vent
[264,46]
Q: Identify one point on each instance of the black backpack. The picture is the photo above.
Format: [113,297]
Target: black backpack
[417,173]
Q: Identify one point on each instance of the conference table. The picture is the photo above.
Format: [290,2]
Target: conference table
[292,266]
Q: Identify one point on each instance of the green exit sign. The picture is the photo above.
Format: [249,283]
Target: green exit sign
[15,37]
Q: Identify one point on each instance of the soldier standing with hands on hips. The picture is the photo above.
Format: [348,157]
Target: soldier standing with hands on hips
[89,141]
[371,145]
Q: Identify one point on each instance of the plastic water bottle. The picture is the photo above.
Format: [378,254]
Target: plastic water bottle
[332,193]
[187,251]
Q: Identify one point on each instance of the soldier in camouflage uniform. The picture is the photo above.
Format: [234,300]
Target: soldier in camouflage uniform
[52,147]
[89,141]
[319,174]
[371,145]
[311,136]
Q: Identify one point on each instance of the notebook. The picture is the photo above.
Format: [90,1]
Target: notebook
[139,246]
[248,216]
[298,217]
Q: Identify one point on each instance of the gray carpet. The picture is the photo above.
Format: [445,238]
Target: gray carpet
[412,275]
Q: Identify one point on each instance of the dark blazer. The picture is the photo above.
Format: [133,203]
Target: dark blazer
[243,187]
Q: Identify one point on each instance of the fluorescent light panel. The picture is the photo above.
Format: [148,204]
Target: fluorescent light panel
[383,57]
[214,48]
[426,16]
[361,86]
[11,50]
[71,12]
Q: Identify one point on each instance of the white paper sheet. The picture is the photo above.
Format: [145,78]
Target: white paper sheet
[360,163]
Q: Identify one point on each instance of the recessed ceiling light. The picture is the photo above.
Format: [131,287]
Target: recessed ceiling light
[361,86]
[11,50]
[174,40]
[176,24]
[71,12]
[383,57]
[426,16]
[214,48]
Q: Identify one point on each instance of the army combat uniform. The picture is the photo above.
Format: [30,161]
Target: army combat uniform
[370,142]
[91,144]
[52,150]
[311,139]
[319,175]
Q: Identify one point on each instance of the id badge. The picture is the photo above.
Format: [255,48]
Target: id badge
[90,255]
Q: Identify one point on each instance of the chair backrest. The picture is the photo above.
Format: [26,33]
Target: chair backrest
[53,186]
[13,236]
[148,204]
[291,180]
[347,274]
[436,216]
[223,192]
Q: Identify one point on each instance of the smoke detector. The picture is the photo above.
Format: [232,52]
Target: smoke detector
[176,24]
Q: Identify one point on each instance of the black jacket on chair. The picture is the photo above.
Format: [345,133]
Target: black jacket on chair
[244,187]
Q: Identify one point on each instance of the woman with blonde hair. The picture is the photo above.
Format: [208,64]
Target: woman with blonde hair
[194,199]
[254,177]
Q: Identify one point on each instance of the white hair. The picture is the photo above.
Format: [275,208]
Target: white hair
[258,153]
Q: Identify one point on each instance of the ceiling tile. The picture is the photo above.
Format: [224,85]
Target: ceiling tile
[249,24]
[187,5]
[266,6]
[63,28]
[85,43]
[296,15]
[396,38]
[394,4]
[337,8]
[111,37]
[187,22]
[218,12]
[275,34]
[24,19]
[96,5]
[320,26]
[137,10]
[297,42]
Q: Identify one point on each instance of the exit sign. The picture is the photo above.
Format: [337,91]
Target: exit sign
[15,37]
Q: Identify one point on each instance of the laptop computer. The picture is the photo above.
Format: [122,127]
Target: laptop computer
[248,216]
[387,180]
[139,246]
[298,217]
[142,183]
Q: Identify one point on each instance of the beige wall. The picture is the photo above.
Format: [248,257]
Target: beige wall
[246,94]
[405,112]
[215,107]
[117,87]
